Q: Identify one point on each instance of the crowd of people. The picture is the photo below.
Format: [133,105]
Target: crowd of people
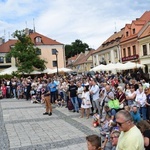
[119,105]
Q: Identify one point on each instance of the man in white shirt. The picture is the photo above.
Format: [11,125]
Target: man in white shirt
[94,91]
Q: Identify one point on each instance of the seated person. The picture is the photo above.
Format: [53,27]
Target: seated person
[135,114]
[111,112]
[106,125]
[93,142]
[59,101]
[96,120]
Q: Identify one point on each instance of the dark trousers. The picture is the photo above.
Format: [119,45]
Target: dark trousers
[53,97]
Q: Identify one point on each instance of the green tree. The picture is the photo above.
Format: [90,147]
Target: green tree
[25,54]
[75,48]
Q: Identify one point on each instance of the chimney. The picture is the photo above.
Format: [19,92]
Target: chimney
[2,40]
[86,52]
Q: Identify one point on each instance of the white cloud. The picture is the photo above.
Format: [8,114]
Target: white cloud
[65,20]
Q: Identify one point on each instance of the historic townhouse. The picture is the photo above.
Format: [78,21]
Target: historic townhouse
[81,62]
[109,51]
[129,43]
[49,49]
[144,46]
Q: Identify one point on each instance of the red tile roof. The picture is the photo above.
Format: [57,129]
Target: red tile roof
[5,47]
[44,40]
[83,58]
[111,41]
[140,22]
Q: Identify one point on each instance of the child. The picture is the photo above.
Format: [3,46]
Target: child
[96,120]
[106,125]
[59,101]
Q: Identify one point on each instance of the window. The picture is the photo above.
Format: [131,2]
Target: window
[133,30]
[134,50]
[127,33]
[116,54]
[108,56]
[38,51]
[144,50]
[124,52]
[1,59]
[54,51]
[129,51]
[8,59]
[54,63]
[38,40]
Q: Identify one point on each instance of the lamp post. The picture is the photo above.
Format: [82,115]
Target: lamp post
[56,53]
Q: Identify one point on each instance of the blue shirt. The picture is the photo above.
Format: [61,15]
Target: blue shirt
[52,86]
[136,116]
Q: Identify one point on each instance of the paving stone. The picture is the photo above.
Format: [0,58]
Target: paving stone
[23,127]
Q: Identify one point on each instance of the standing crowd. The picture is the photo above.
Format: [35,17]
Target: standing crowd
[119,105]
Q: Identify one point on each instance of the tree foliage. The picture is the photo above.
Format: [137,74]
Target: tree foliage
[75,48]
[25,54]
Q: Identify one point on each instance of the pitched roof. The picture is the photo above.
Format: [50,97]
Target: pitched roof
[145,16]
[114,36]
[72,59]
[83,58]
[128,25]
[44,40]
[111,41]
[5,47]
[145,31]
[138,22]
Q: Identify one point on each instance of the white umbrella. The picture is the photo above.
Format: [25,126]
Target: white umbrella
[131,65]
[110,66]
[48,71]
[98,68]
[35,72]
[140,66]
[65,70]
[53,71]
[9,70]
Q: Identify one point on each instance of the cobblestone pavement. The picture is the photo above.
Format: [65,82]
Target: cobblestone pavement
[23,127]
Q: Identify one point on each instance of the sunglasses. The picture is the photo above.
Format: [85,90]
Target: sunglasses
[121,123]
[111,138]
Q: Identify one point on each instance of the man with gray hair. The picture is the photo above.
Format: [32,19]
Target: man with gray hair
[130,137]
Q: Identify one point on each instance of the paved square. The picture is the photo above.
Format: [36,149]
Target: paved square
[23,127]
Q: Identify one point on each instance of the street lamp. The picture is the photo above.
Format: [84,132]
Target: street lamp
[56,53]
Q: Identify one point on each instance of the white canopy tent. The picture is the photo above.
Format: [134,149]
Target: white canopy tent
[98,68]
[48,71]
[9,70]
[117,66]
[131,65]
[60,70]
[65,69]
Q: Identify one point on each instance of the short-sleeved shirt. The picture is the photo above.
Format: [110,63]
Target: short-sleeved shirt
[131,140]
[73,90]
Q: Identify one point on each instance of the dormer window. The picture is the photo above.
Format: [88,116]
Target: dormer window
[133,30]
[38,39]
[127,33]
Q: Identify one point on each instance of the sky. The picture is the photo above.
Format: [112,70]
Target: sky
[91,21]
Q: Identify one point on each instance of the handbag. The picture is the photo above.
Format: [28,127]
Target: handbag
[88,102]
